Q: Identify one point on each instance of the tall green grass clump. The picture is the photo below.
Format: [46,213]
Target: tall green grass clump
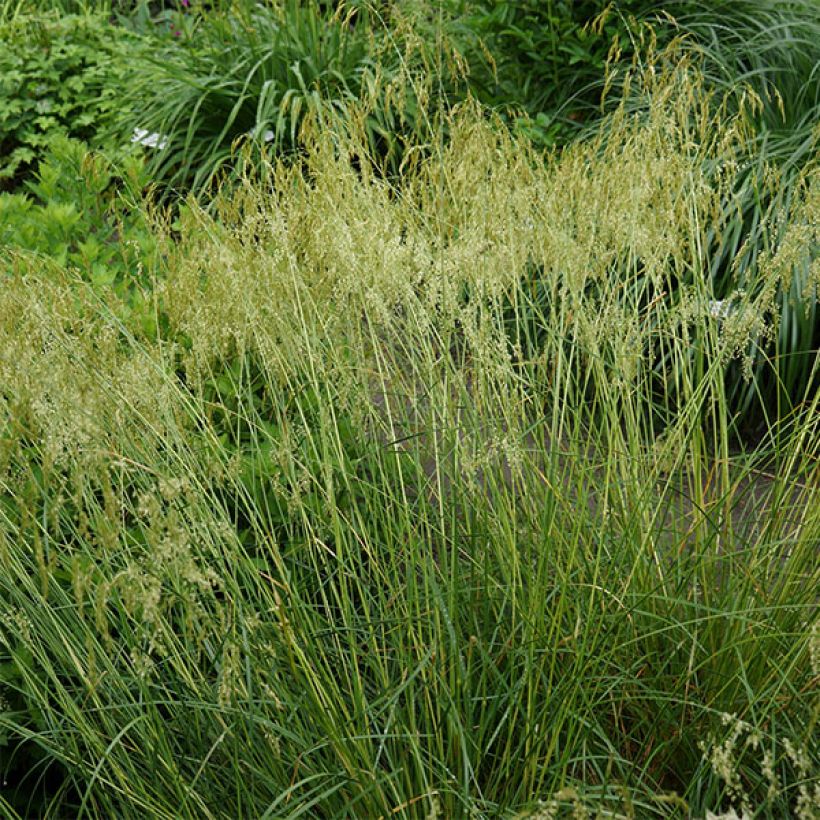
[421,503]
[764,58]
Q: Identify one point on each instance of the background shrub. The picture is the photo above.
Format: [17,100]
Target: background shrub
[81,211]
[58,75]
[544,62]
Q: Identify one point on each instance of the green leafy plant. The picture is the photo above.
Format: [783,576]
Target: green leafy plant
[544,62]
[82,211]
[58,75]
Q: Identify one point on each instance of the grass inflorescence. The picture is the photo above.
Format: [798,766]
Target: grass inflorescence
[420,499]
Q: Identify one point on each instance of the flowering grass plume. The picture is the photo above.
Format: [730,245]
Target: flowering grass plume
[421,500]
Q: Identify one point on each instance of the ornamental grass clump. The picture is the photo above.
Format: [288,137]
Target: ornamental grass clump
[419,500]
[763,58]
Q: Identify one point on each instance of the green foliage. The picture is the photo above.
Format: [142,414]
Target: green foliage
[61,75]
[544,60]
[82,211]
[10,10]
[13,9]
[346,498]
[254,420]
[759,61]
[331,545]
[254,75]
[765,57]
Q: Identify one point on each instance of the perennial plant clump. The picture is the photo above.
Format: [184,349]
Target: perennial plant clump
[420,499]
[762,59]
[252,77]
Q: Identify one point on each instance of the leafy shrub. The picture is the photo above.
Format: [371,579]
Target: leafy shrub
[61,75]
[82,211]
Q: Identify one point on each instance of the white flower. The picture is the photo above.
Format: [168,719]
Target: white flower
[144,137]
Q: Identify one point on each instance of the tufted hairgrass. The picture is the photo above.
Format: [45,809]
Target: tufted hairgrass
[423,502]
[764,59]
